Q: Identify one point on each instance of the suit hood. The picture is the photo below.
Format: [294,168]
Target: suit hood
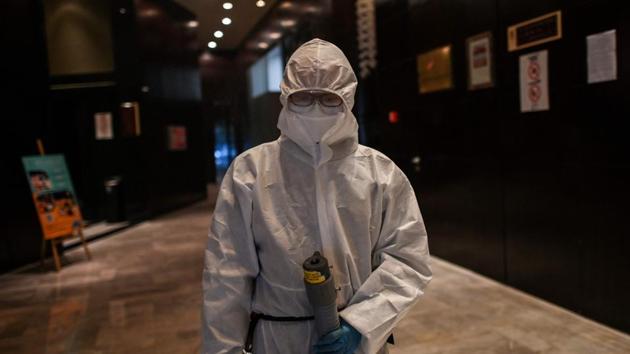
[320,65]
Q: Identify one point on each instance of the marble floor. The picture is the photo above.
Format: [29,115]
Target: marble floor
[141,294]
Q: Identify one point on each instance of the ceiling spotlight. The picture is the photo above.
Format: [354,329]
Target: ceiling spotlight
[286,5]
[311,9]
[212,44]
[226,21]
[206,57]
[192,24]
[275,35]
[263,45]
[260,3]
[227,5]
[218,34]
[151,12]
[287,23]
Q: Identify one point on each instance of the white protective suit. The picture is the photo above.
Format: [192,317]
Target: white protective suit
[281,201]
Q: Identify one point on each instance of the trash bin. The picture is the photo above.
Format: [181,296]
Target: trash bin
[114,201]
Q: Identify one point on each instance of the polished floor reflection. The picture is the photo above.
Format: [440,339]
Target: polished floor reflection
[141,294]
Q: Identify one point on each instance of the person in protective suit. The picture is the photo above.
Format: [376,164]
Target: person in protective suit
[313,189]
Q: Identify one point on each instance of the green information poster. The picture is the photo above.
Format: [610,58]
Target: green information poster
[53,195]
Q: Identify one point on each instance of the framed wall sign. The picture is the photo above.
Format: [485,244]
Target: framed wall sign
[434,70]
[103,126]
[601,59]
[542,29]
[177,140]
[480,65]
[534,82]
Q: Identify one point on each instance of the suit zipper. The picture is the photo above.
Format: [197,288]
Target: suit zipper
[322,210]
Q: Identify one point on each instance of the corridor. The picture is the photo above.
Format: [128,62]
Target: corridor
[141,293]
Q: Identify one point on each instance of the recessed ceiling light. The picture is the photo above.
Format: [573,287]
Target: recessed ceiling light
[212,44]
[218,34]
[275,35]
[312,9]
[192,24]
[260,3]
[227,5]
[263,45]
[226,21]
[206,57]
[149,13]
[287,23]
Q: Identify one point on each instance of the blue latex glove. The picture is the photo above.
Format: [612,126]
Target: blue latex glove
[343,340]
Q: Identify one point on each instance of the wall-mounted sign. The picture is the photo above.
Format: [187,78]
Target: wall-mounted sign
[366,37]
[534,79]
[103,126]
[130,119]
[434,70]
[177,140]
[392,117]
[53,195]
[536,31]
[602,57]
[480,66]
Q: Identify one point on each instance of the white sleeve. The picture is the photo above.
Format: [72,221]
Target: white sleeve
[402,271]
[231,265]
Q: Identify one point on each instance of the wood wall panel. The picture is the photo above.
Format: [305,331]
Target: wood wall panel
[536,199]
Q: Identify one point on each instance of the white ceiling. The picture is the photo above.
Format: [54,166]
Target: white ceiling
[244,15]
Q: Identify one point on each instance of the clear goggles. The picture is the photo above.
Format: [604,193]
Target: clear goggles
[308,98]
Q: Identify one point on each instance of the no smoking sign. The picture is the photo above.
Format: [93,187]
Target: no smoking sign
[533,70]
[534,93]
[534,82]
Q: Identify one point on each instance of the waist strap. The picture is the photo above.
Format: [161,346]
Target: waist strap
[262,316]
[255,317]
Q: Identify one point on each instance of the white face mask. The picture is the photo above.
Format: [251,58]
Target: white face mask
[317,120]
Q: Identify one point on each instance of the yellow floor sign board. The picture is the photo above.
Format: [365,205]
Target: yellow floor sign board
[53,195]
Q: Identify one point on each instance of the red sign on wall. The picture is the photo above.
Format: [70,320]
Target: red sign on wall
[177,140]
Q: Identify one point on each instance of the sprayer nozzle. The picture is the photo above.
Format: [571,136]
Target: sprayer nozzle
[317,263]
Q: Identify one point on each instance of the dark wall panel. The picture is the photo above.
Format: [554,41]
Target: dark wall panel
[25,79]
[454,132]
[600,116]
[532,199]
[156,65]
[540,165]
